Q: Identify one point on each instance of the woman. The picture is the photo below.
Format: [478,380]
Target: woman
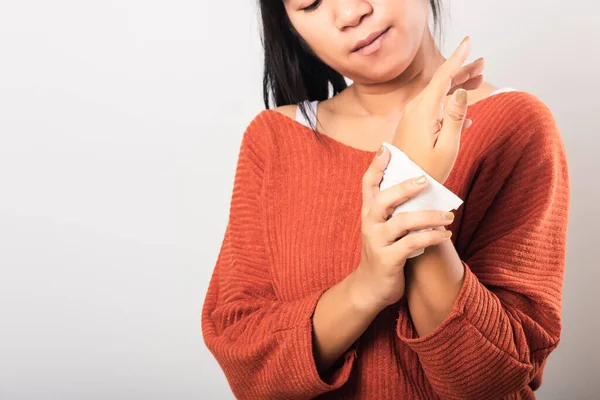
[315,292]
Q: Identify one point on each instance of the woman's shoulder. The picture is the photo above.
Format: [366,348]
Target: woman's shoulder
[520,116]
[526,105]
[288,110]
[522,126]
[262,123]
[281,117]
[273,128]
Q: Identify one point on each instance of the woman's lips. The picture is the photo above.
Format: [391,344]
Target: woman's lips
[373,46]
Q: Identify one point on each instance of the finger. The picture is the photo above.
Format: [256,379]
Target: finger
[373,176]
[441,82]
[468,72]
[400,224]
[387,200]
[416,241]
[454,119]
[471,84]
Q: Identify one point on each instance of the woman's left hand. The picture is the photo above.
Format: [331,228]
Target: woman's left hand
[429,131]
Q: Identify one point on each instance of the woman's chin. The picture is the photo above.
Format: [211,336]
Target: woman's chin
[379,73]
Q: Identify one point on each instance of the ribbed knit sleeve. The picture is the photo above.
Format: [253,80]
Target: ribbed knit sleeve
[264,345]
[507,317]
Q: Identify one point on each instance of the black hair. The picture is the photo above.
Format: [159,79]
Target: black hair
[292,72]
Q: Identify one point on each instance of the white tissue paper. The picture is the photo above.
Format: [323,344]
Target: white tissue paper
[435,197]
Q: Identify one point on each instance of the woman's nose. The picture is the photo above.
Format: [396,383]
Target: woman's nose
[351,12]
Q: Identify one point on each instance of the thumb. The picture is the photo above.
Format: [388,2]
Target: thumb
[374,174]
[454,120]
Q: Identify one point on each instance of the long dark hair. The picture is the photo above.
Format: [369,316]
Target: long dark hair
[292,72]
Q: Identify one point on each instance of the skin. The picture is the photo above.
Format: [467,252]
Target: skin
[364,115]
[384,82]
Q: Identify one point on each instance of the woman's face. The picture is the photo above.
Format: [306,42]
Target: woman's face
[332,29]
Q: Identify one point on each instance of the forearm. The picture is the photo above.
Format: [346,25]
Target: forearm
[433,282]
[340,317]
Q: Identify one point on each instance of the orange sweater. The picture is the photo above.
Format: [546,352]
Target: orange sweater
[294,231]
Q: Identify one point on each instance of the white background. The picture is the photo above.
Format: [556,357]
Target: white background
[120,125]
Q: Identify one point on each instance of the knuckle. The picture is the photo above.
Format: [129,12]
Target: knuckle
[455,114]
[378,201]
[399,220]
[410,243]
[414,220]
[435,218]
[417,241]
[386,199]
[431,218]
[434,236]
[409,189]
[399,225]
[381,208]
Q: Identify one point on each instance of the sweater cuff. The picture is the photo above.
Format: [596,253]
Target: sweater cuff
[447,330]
[469,341]
[305,366]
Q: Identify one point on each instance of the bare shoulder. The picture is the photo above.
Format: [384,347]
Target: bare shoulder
[481,92]
[287,110]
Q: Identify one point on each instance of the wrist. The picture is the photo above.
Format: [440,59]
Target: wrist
[362,298]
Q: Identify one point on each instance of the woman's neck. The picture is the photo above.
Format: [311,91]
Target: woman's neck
[390,98]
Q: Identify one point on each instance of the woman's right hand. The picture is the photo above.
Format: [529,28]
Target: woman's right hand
[429,131]
[379,279]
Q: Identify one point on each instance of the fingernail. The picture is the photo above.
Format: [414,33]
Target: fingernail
[468,123]
[465,40]
[380,151]
[446,234]
[460,97]
[448,215]
[420,180]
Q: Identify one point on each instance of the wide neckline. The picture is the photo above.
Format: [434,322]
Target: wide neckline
[350,148]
